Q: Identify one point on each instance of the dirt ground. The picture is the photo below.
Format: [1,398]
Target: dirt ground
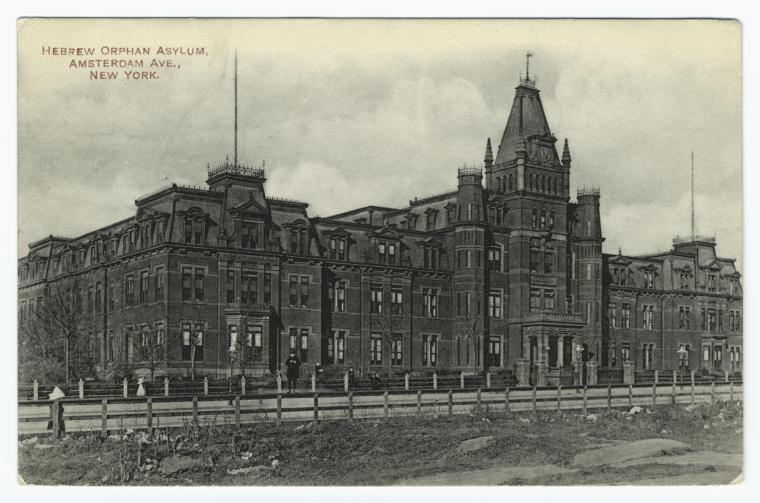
[700,446]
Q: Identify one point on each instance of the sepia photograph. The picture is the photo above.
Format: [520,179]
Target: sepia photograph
[380,252]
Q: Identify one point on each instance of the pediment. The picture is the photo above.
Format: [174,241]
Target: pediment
[250,207]
[338,232]
[298,224]
[387,233]
[713,266]
[620,260]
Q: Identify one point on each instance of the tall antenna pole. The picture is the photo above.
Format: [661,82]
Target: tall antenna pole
[235,158]
[692,194]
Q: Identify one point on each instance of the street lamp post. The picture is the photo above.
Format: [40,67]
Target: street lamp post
[579,362]
[681,358]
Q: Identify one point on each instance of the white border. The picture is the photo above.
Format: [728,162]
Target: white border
[746,12]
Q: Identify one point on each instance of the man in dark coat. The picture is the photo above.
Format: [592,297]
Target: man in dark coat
[292,366]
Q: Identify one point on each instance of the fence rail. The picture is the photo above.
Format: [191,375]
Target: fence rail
[107,415]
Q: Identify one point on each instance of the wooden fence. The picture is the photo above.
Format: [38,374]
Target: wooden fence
[108,415]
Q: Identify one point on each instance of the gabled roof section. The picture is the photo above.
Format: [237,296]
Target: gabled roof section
[526,119]
[250,207]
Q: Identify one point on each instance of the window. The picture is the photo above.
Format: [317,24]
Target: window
[304,347]
[144,287]
[230,286]
[720,320]
[187,285]
[549,300]
[494,304]
[549,261]
[731,322]
[535,256]
[703,318]
[534,217]
[232,331]
[430,257]
[111,298]
[304,291]
[648,279]
[684,317]
[535,299]
[339,296]
[336,346]
[684,281]
[588,312]
[293,338]
[711,320]
[494,352]
[626,318]
[188,230]
[98,296]
[186,340]
[494,258]
[293,291]
[612,314]
[625,351]
[158,284]
[397,351]
[386,253]
[648,320]
[258,352]
[430,302]
[648,355]
[130,290]
[376,299]
[293,241]
[199,284]
[249,236]
[542,222]
[613,355]
[712,283]
[397,300]
[467,298]
[376,350]
[267,284]
[551,219]
[430,220]
[249,287]
[430,350]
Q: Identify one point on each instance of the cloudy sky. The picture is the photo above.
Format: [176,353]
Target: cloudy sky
[349,113]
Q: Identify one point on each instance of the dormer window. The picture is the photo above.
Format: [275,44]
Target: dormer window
[299,241]
[712,281]
[387,253]
[338,248]
[431,220]
[249,235]
[431,257]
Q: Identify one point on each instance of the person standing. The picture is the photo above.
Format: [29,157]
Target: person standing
[292,366]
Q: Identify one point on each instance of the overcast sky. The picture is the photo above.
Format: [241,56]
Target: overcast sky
[349,113]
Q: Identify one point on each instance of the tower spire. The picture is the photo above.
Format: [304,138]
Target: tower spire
[692,195]
[235,158]
[528,55]
[566,159]
[488,161]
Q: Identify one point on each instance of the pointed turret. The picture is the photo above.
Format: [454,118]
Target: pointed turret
[488,160]
[526,120]
[566,159]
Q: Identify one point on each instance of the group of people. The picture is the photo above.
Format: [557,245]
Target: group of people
[293,368]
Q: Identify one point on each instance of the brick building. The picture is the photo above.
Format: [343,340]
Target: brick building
[494,274]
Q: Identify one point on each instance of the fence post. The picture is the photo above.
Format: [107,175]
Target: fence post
[316,408]
[36,392]
[242,385]
[345,382]
[654,394]
[675,376]
[385,404]
[585,400]
[673,389]
[125,386]
[692,387]
[166,386]
[55,411]
[205,386]
[435,380]
[726,372]
[630,395]
[451,403]
[149,416]
[104,417]
[237,411]
[279,383]
[731,392]
[406,381]
[488,380]
[313,383]
[278,416]
[657,377]
[609,398]
[350,406]
[461,380]
[559,399]
[81,389]
[534,399]
[480,408]
[419,402]
[506,400]
[712,395]
[195,410]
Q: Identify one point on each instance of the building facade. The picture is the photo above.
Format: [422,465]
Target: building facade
[503,269]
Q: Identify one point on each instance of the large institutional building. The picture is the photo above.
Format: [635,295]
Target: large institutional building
[505,268]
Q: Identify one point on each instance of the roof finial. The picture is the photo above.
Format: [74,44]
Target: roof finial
[488,161]
[566,159]
[528,55]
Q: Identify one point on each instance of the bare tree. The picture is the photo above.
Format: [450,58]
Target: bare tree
[54,332]
[150,349]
